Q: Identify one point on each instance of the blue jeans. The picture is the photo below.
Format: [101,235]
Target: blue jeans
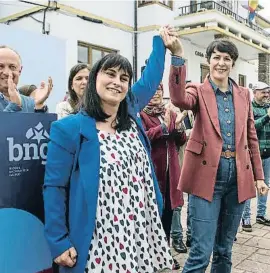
[261,200]
[176,228]
[214,224]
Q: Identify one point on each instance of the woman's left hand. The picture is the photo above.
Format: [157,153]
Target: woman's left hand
[262,188]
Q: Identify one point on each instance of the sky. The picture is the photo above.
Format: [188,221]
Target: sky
[266,12]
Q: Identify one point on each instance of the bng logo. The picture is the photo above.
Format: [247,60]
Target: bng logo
[34,150]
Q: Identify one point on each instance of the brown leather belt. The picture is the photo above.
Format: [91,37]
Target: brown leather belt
[228,154]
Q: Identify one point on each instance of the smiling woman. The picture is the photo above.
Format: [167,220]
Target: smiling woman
[224,151]
[221,56]
[109,82]
[99,169]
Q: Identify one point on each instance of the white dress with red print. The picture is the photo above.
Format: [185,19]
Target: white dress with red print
[128,236]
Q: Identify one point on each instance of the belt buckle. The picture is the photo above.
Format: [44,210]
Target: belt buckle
[228,154]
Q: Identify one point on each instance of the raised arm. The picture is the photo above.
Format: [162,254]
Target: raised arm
[145,88]
[182,97]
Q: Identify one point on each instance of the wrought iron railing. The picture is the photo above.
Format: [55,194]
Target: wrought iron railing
[212,5]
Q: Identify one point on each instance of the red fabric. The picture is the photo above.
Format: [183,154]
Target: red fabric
[203,150]
[159,145]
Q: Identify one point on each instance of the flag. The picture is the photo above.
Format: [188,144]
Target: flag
[252,6]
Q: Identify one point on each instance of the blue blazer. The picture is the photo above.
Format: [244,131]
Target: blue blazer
[72,170]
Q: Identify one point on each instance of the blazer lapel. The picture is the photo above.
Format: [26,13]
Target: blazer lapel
[135,114]
[209,97]
[89,158]
[239,100]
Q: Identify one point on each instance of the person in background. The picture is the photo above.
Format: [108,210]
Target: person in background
[32,90]
[261,111]
[77,83]
[222,157]
[10,98]
[177,229]
[164,130]
[101,196]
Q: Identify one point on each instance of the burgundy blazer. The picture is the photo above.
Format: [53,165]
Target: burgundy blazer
[202,154]
[160,145]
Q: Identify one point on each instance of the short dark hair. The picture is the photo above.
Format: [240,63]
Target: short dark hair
[92,102]
[224,46]
[73,97]
[27,90]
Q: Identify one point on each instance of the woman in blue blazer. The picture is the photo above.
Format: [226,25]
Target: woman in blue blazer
[101,195]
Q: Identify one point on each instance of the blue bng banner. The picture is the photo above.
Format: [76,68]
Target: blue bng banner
[23,152]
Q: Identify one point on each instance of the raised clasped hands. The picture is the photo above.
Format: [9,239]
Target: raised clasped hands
[171,40]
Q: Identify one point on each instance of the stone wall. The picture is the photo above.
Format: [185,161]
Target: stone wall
[264,67]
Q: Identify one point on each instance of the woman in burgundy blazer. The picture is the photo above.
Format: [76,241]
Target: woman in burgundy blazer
[222,163]
[166,135]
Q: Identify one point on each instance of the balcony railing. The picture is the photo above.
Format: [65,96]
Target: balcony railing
[212,5]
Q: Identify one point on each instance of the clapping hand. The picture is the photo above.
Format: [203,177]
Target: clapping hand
[43,92]
[13,93]
[179,119]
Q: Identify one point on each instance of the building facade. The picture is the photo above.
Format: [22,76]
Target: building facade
[91,29]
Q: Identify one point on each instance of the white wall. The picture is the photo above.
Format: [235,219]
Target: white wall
[155,15]
[117,10]
[10,7]
[248,69]
[74,29]
[42,56]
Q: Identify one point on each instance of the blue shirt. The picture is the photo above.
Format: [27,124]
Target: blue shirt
[28,105]
[226,115]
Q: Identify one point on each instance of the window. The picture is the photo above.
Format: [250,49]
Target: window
[242,80]
[205,4]
[90,54]
[167,3]
[227,3]
[204,71]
